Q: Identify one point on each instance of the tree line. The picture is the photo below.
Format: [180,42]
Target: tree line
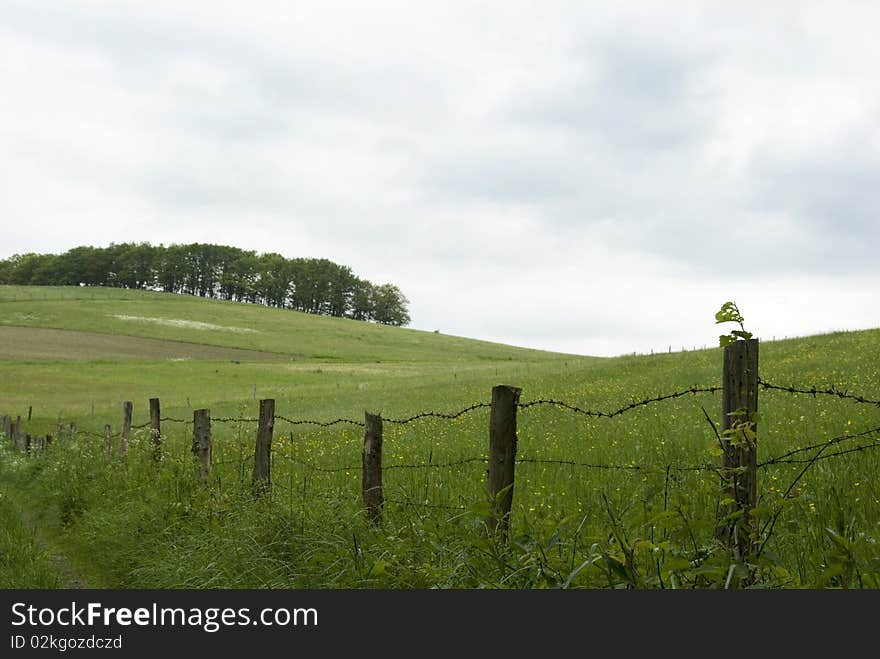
[312,285]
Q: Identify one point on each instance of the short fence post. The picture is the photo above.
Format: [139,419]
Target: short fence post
[739,406]
[125,438]
[502,456]
[201,444]
[72,432]
[372,467]
[106,440]
[30,411]
[155,429]
[16,434]
[262,481]
[26,447]
[47,442]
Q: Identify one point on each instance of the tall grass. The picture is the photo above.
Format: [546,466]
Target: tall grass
[24,562]
[628,514]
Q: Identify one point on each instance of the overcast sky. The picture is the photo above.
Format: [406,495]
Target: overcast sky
[574,176]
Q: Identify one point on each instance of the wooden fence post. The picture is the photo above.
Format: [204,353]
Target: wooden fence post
[16,434]
[201,444]
[26,446]
[48,441]
[262,481]
[30,411]
[502,456]
[372,467]
[106,440]
[125,438]
[155,429]
[739,405]
[73,432]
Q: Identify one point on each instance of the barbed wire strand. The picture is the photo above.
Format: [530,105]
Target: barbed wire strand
[325,424]
[622,410]
[828,442]
[814,391]
[826,456]
[439,415]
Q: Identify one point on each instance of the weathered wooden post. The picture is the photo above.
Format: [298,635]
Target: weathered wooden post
[16,434]
[155,429]
[30,411]
[201,444]
[125,437]
[106,440]
[739,405]
[48,441]
[26,447]
[502,456]
[372,467]
[72,432]
[4,423]
[262,481]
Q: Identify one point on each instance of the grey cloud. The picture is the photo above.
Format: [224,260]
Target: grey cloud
[517,176]
[603,144]
[628,95]
[833,189]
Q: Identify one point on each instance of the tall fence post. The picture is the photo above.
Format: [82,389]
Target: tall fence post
[739,405]
[155,429]
[502,456]
[106,440]
[262,482]
[125,437]
[201,444]
[372,467]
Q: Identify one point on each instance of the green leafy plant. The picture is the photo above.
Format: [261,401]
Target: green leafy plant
[730,313]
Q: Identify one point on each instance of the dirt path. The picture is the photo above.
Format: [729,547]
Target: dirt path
[68,576]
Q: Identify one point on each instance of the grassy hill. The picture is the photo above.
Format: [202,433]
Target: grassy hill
[68,350]
[297,335]
[631,499]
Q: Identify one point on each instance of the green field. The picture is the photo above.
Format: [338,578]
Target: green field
[628,501]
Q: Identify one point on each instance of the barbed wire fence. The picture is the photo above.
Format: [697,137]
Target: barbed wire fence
[503,443]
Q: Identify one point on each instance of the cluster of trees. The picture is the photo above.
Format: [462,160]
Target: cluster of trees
[312,285]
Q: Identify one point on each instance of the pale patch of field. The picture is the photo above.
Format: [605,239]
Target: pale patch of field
[186,324]
[370,369]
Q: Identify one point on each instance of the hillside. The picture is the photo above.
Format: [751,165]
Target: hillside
[168,317]
[72,350]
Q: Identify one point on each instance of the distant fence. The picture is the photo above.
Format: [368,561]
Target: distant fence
[737,438]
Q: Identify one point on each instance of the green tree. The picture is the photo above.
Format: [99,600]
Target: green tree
[390,305]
